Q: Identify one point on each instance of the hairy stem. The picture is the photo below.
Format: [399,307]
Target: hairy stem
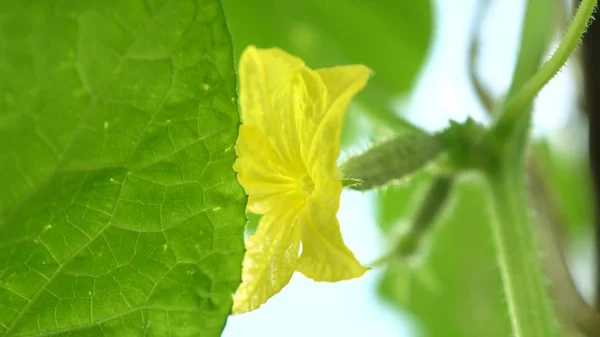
[391,160]
[528,300]
[548,227]
[525,95]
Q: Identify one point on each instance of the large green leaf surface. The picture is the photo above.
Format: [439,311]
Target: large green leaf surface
[120,213]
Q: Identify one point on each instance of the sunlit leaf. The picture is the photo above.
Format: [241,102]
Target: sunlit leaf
[120,213]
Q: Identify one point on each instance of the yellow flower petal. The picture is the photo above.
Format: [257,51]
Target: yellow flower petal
[270,260]
[265,95]
[325,256]
[287,150]
[342,84]
[262,172]
[263,72]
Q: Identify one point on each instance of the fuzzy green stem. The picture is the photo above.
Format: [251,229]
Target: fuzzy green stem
[530,309]
[391,160]
[525,95]
[433,204]
[548,227]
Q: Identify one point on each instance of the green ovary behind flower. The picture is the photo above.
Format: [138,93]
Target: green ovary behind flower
[287,150]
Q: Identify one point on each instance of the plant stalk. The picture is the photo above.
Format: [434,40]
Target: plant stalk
[531,311]
[518,102]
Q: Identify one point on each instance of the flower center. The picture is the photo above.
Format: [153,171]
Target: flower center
[307,186]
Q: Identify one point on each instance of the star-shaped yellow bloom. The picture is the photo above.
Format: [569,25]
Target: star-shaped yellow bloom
[287,149]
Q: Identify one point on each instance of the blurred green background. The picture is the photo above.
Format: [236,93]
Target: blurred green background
[419,52]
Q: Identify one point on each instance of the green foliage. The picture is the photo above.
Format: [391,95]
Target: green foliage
[396,203]
[567,176]
[528,301]
[120,213]
[391,37]
[454,289]
[410,240]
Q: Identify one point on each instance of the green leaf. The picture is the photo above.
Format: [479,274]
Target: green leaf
[455,288]
[569,181]
[390,37]
[396,203]
[120,213]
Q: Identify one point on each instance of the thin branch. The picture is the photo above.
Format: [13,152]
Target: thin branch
[485,97]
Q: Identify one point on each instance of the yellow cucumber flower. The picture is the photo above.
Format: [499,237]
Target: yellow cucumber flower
[287,149]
